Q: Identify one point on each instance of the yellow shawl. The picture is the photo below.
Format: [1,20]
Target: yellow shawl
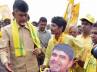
[60,39]
[19,50]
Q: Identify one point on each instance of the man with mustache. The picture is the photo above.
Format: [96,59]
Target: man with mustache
[61,58]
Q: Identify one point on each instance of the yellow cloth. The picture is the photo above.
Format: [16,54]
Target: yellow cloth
[87,46]
[91,66]
[16,40]
[64,38]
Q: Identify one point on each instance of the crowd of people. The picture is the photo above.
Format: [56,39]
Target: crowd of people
[38,47]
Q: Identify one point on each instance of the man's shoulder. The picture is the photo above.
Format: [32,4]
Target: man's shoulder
[48,31]
[67,36]
[79,36]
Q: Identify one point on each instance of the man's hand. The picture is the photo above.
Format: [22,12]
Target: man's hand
[36,51]
[42,67]
[8,67]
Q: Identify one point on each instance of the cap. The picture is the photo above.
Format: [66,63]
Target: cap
[89,18]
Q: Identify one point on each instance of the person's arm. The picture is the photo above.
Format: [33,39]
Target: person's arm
[48,52]
[79,51]
[78,47]
[4,44]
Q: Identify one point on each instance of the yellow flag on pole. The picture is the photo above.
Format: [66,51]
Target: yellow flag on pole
[74,14]
[67,14]
[68,10]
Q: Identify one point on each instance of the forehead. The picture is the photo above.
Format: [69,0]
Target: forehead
[20,12]
[59,52]
[85,22]
[54,24]
[42,22]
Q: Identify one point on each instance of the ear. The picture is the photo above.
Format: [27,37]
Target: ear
[61,28]
[70,63]
[13,13]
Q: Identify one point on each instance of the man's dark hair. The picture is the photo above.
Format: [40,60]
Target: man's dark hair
[60,22]
[95,24]
[35,23]
[20,5]
[65,48]
[43,19]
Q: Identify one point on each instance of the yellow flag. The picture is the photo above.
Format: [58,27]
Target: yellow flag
[74,14]
[5,12]
[68,12]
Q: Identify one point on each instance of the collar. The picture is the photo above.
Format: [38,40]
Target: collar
[42,31]
[26,26]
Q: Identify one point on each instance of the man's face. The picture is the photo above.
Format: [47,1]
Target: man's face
[86,26]
[59,61]
[55,29]
[73,31]
[42,25]
[80,30]
[94,34]
[21,17]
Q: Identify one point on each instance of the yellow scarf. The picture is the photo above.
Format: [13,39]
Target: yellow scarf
[60,39]
[19,50]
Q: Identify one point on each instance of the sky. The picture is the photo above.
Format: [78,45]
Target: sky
[51,8]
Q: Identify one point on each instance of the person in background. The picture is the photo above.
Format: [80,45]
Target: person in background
[79,29]
[44,36]
[85,38]
[6,21]
[61,58]
[34,23]
[2,68]
[73,31]
[92,64]
[57,28]
[20,44]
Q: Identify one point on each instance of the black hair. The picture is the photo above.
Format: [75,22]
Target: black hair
[60,22]
[65,48]
[43,19]
[20,5]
